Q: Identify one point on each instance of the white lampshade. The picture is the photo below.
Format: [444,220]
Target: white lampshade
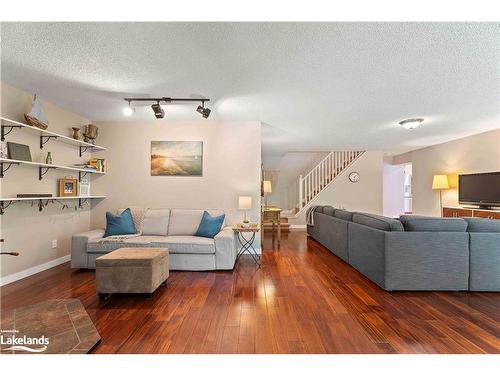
[267,187]
[245,203]
[440,181]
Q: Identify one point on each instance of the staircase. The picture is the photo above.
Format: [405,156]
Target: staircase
[323,174]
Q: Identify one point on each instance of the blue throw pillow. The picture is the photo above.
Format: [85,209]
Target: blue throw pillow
[117,225]
[210,225]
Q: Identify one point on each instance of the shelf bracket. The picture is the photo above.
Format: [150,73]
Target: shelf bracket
[4,205]
[45,138]
[81,175]
[42,171]
[81,202]
[84,149]
[10,127]
[3,169]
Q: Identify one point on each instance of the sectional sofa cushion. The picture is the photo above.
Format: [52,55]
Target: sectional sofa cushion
[378,222]
[175,244]
[328,210]
[476,224]
[117,225]
[156,222]
[210,225]
[318,209]
[185,222]
[432,224]
[343,214]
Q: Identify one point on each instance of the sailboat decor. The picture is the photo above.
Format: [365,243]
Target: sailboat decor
[36,117]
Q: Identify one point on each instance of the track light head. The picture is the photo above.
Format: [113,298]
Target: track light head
[158,110]
[205,112]
[128,111]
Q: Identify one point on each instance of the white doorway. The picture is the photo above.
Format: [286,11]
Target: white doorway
[397,190]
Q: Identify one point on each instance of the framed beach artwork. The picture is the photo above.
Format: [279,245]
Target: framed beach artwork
[176,158]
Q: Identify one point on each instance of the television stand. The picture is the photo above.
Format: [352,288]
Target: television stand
[471,212]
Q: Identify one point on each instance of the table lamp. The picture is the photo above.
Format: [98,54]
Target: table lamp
[245,203]
[267,189]
[440,182]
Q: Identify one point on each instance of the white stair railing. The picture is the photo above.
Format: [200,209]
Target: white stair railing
[323,174]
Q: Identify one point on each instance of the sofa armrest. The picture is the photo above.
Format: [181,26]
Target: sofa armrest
[79,247]
[226,249]
[426,261]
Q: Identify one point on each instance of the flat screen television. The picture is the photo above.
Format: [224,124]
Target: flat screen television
[482,189]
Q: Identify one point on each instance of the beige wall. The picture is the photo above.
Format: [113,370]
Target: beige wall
[364,195]
[231,167]
[24,228]
[475,154]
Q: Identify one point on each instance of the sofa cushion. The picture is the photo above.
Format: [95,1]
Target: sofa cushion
[328,210]
[378,222]
[175,244]
[117,225]
[185,222]
[188,245]
[210,225]
[476,224]
[156,222]
[318,209]
[432,224]
[343,214]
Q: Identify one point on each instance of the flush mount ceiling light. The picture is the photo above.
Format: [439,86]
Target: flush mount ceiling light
[158,110]
[411,123]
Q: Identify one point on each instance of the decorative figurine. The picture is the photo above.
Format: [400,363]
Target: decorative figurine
[76,133]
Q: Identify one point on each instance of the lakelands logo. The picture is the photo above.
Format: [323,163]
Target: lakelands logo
[22,343]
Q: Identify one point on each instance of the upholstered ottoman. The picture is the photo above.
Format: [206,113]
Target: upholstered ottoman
[132,270]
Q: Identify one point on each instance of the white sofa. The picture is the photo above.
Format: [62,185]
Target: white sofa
[171,228]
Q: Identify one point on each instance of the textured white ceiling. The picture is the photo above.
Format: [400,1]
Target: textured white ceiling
[315,86]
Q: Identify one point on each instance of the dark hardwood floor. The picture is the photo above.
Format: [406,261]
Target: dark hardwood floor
[303,300]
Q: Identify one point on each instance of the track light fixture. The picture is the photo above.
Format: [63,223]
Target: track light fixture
[128,111]
[205,112]
[158,110]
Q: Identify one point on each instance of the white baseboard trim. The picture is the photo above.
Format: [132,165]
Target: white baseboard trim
[298,226]
[34,270]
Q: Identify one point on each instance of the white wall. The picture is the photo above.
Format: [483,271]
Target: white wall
[24,228]
[474,154]
[231,167]
[365,195]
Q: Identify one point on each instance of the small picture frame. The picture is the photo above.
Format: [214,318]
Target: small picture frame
[68,187]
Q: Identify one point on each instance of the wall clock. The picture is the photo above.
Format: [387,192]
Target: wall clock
[354,176]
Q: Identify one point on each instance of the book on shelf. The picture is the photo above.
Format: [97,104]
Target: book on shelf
[100,165]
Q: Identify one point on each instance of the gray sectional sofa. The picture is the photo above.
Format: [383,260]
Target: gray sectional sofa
[414,252]
[170,228]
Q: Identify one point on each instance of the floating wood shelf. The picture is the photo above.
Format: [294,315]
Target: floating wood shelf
[43,168]
[8,125]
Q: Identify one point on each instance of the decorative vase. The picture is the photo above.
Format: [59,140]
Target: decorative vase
[245,225]
[76,133]
[90,133]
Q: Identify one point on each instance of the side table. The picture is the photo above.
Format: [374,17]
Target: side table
[247,242]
